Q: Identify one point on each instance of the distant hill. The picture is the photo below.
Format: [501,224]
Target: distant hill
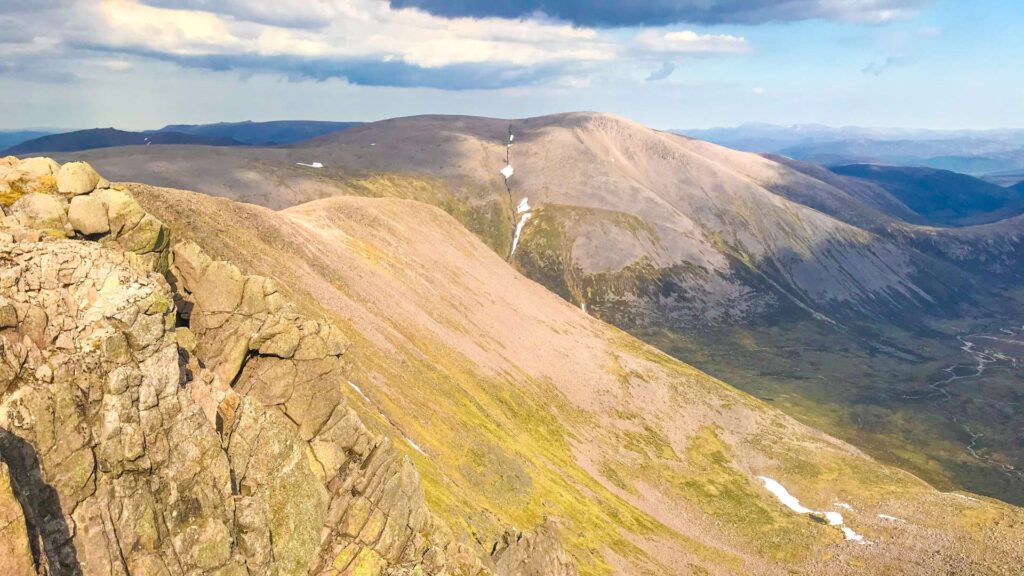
[274,133]
[10,138]
[110,137]
[974,152]
[1007,179]
[941,196]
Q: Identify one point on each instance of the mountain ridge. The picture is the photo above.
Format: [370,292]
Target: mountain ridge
[846,298]
[109,137]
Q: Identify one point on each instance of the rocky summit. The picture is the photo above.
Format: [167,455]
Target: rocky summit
[361,387]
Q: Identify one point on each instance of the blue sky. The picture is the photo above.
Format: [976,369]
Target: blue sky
[670,63]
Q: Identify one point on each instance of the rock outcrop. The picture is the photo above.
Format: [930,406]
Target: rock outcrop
[42,198]
[532,553]
[311,482]
[14,544]
[163,413]
[116,469]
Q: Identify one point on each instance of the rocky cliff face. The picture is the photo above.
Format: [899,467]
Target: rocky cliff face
[162,413]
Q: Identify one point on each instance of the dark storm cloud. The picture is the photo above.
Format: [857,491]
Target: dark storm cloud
[663,12]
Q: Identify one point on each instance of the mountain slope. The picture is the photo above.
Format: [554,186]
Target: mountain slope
[822,294]
[274,133]
[707,205]
[109,137]
[526,407]
[940,196]
[361,386]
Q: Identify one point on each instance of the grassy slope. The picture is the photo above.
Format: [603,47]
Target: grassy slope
[527,408]
[840,380]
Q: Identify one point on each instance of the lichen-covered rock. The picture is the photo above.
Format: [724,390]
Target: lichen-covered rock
[532,553]
[88,215]
[133,229]
[234,315]
[41,212]
[123,212]
[116,468]
[15,550]
[107,214]
[38,167]
[77,178]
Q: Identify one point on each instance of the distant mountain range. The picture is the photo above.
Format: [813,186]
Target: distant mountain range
[274,133]
[10,138]
[110,137]
[976,152]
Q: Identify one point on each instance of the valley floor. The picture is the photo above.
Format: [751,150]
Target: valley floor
[946,405]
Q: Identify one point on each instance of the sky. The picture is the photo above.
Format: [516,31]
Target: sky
[136,64]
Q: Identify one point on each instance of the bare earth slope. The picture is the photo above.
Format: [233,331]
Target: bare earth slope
[515,406]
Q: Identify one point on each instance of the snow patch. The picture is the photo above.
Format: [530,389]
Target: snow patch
[519,231]
[524,206]
[842,505]
[891,518]
[834,518]
[414,445]
[787,499]
[358,389]
[524,209]
[313,165]
[507,172]
[791,502]
[851,535]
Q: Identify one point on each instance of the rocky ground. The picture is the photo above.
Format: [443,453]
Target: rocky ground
[162,413]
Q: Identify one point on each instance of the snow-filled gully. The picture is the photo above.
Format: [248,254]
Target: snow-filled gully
[832,517]
[523,211]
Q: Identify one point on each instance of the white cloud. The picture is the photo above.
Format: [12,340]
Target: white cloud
[688,42]
[352,29]
[364,41]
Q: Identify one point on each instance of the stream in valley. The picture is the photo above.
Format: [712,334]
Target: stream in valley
[982,357]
